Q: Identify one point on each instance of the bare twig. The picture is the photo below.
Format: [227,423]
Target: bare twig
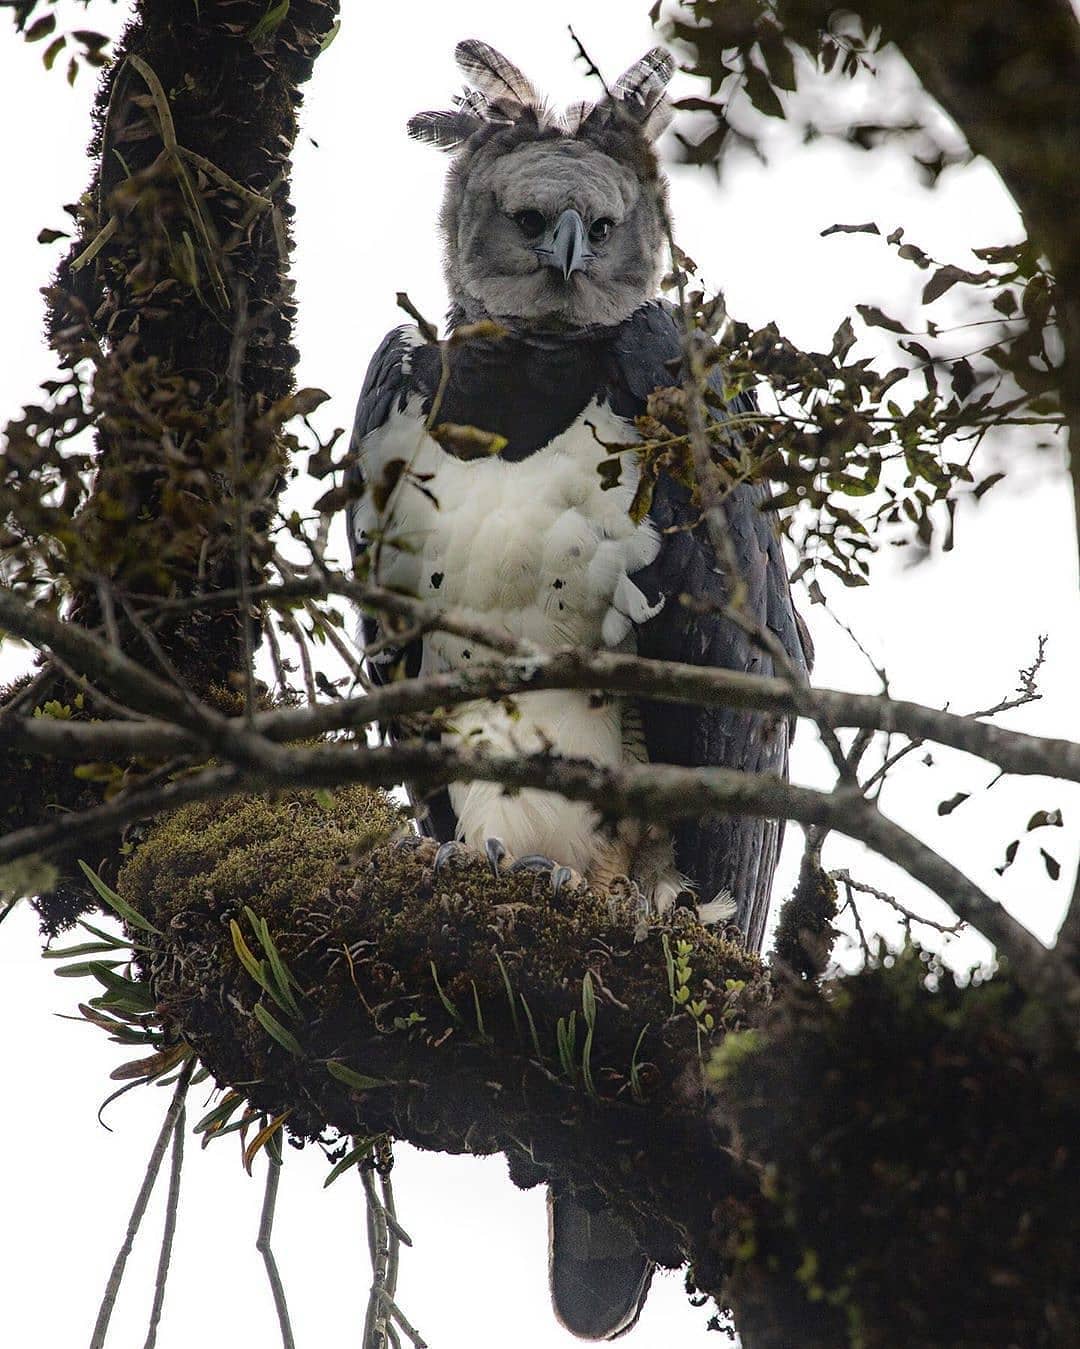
[378,1241]
[262,1245]
[112,1288]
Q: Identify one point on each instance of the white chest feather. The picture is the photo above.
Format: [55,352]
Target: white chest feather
[539,549]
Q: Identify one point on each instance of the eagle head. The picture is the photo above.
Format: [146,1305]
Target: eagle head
[551,220]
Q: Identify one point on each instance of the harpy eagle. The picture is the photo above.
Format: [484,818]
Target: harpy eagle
[554,228]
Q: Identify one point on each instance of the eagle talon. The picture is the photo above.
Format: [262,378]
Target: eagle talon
[560,877]
[533,861]
[495,849]
[444,854]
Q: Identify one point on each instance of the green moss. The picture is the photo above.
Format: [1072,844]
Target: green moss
[804,932]
[271,853]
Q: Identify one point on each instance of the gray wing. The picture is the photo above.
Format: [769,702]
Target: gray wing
[390,380]
[717,852]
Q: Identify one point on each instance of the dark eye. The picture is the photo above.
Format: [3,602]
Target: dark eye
[600,229]
[531,223]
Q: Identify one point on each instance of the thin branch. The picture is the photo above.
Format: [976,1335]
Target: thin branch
[399,1316]
[909,915]
[426,617]
[169,1230]
[112,1288]
[262,1245]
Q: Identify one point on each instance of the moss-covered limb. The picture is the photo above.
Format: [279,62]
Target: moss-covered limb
[919,1163]
[891,1161]
[562,1031]
[804,934]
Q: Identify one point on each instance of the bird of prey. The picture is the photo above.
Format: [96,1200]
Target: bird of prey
[483,491]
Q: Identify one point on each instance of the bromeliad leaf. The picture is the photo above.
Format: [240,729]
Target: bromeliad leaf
[357,1154]
[277,1031]
[262,1139]
[152,1066]
[351,1078]
[116,903]
[128,991]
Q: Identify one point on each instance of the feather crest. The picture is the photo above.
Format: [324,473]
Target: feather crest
[643,85]
[444,130]
[493,74]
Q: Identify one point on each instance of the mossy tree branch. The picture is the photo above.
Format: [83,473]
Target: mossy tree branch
[679,1124]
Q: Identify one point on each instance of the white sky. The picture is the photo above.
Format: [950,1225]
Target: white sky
[952,632]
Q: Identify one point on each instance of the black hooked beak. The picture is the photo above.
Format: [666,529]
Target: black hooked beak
[566,246]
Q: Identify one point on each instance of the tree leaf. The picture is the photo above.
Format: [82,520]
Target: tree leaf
[40,28]
[986,484]
[48,58]
[761,94]
[468,442]
[963,378]
[263,1137]
[1043,819]
[356,1154]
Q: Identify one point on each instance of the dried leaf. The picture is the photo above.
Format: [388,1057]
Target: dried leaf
[468,442]
[1010,857]
[947,807]
[874,317]
[868,228]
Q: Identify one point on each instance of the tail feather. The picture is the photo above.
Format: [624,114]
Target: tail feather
[599,1276]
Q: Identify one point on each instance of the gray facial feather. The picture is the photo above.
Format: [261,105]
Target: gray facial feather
[492,267]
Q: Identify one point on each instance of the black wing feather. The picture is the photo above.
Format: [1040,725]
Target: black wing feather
[717,852]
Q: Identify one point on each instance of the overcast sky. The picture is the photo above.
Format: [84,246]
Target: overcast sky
[952,631]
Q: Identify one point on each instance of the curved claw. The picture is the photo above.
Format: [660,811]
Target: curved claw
[560,877]
[446,851]
[533,861]
[495,849]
